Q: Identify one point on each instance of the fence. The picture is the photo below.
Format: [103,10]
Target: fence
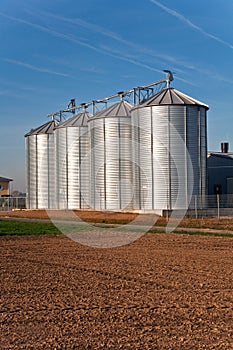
[211,205]
[9,203]
[200,206]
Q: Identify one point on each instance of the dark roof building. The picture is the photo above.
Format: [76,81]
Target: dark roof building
[220,172]
[5,179]
[4,186]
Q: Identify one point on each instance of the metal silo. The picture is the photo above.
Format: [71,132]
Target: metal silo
[169,150]
[72,163]
[40,164]
[110,158]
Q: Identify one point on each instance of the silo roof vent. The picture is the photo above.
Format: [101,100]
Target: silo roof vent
[170,96]
[77,120]
[46,128]
[119,109]
[224,147]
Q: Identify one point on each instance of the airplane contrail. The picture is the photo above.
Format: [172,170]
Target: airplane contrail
[190,24]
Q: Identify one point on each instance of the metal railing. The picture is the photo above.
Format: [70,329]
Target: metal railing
[200,206]
[218,205]
[10,203]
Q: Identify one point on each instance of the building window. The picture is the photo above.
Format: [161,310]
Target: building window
[1,188]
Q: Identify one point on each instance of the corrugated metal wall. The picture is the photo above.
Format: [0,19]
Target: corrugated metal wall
[40,171]
[72,169]
[169,155]
[110,160]
[31,164]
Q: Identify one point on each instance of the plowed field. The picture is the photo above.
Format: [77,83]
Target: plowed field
[164,291]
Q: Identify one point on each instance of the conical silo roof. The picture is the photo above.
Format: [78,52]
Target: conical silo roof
[119,109]
[171,96]
[77,120]
[46,128]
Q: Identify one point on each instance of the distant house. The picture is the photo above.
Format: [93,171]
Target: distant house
[220,172]
[4,186]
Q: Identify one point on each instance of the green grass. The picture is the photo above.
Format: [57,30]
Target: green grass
[199,233]
[20,228]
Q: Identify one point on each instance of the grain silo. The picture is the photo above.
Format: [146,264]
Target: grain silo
[72,164]
[110,158]
[169,150]
[41,166]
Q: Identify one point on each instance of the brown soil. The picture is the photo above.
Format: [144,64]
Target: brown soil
[89,215]
[118,217]
[164,291]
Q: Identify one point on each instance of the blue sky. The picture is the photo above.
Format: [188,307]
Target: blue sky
[52,51]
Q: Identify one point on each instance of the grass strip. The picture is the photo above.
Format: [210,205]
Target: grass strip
[20,228]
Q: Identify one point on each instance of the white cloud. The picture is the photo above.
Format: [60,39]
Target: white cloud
[190,24]
[75,40]
[30,66]
[96,28]
[138,48]
[115,53]
[106,50]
